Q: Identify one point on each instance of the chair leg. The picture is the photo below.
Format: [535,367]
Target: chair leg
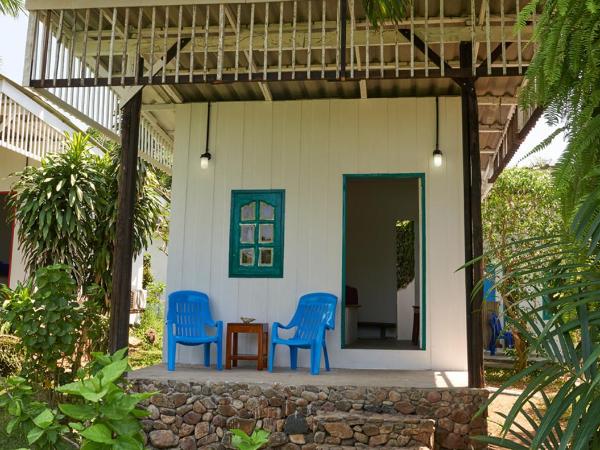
[219,354]
[171,354]
[315,363]
[207,355]
[293,358]
[326,357]
[271,356]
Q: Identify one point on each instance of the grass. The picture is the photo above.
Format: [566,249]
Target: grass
[148,354]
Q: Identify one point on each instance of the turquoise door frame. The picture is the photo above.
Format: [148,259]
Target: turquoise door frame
[420,176]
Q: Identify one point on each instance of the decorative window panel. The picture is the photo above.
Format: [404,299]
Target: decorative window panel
[256,234]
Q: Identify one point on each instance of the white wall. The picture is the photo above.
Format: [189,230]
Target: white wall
[305,147]
[373,206]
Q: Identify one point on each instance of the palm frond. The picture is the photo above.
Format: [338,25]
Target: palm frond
[11,7]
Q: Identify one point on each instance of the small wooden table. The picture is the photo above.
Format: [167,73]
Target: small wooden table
[232,356]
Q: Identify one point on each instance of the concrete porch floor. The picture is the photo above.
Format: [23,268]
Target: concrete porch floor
[337,377]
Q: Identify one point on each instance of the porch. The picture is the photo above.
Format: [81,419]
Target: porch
[146,60]
[420,379]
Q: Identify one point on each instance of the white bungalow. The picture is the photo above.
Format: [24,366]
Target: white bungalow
[311,150]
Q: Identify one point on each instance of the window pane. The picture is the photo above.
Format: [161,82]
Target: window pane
[249,212]
[265,231]
[267,212]
[247,233]
[266,257]
[247,257]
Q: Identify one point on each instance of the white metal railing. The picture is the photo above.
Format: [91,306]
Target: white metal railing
[25,133]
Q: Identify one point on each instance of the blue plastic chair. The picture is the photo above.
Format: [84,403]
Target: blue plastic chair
[497,333]
[313,317]
[187,319]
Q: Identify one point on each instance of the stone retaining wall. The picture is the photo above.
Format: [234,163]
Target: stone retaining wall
[198,415]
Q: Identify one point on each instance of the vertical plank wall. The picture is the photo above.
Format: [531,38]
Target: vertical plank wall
[305,147]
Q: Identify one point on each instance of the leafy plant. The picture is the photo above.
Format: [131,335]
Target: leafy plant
[534,204]
[40,424]
[45,316]
[11,7]
[67,211]
[99,415]
[405,253]
[242,441]
[107,417]
[569,343]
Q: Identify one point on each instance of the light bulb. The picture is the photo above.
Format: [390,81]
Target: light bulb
[438,158]
[204,159]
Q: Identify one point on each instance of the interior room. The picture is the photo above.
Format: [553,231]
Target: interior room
[382,275]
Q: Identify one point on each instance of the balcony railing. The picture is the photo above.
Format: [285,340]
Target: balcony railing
[26,133]
[271,41]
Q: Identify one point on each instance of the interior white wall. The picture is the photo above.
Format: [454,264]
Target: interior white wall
[373,206]
[305,147]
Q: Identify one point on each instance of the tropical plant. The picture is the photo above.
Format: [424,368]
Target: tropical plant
[242,441]
[529,194]
[45,316]
[95,411]
[569,343]
[11,7]
[67,211]
[405,253]
[563,78]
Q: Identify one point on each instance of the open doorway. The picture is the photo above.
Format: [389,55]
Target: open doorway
[383,256]
[6,239]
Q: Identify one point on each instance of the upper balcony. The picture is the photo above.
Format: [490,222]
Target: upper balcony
[220,50]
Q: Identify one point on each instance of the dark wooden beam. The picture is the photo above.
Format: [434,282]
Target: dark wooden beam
[342,43]
[123,251]
[300,75]
[472,214]
[421,46]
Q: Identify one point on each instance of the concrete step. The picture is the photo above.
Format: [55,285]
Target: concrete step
[371,430]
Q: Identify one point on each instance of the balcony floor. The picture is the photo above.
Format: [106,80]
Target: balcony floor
[337,377]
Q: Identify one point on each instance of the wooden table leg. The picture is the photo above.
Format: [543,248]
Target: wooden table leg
[265,337]
[235,348]
[260,352]
[228,351]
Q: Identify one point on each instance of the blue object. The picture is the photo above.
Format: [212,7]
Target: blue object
[187,319]
[489,291]
[314,315]
[497,333]
[496,330]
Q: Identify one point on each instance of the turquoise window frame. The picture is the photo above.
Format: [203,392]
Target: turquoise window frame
[239,198]
[420,176]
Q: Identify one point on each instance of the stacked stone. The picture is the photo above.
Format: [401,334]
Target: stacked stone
[198,415]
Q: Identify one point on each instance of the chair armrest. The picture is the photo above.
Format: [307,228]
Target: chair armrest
[277,326]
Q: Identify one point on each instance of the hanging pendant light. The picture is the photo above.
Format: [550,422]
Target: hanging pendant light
[206,156]
[438,156]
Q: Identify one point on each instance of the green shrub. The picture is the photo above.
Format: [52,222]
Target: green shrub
[11,358]
[45,316]
[95,413]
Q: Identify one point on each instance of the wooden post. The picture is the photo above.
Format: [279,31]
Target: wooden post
[472,211]
[123,252]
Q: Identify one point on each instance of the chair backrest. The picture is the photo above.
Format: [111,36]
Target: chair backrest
[313,310]
[189,312]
